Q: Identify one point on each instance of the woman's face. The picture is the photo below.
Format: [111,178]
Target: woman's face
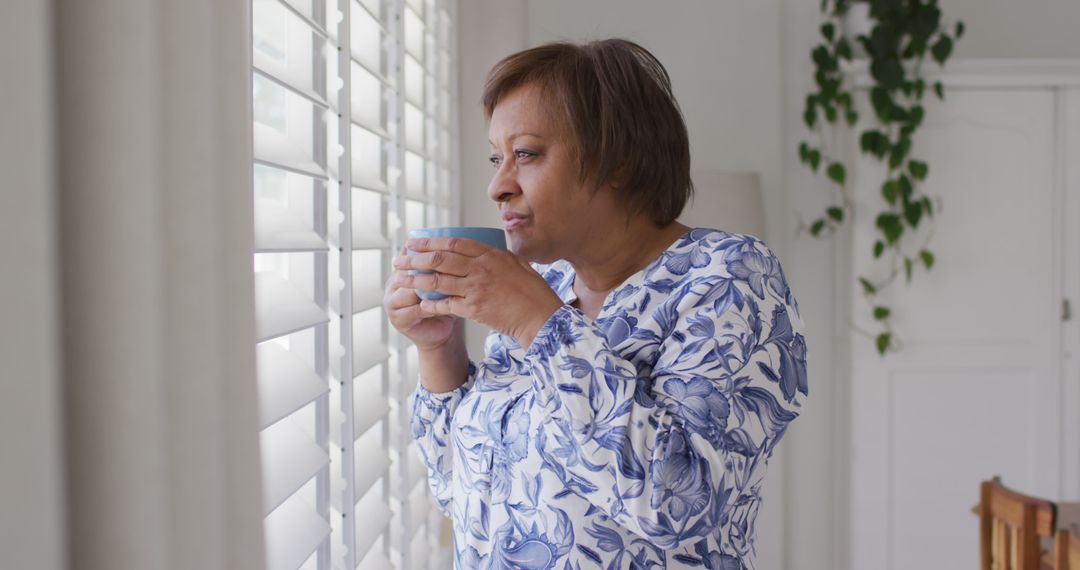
[548,212]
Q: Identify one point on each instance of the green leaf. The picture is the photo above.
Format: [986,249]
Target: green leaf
[890,225]
[883,340]
[888,72]
[918,169]
[828,30]
[822,58]
[881,313]
[940,90]
[843,49]
[928,206]
[927,258]
[836,173]
[830,114]
[879,248]
[852,117]
[815,159]
[908,265]
[881,101]
[804,152]
[816,227]
[913,213]
[941,49]
[920,86]
[874,142]
[836,213]
[810,111]
[868,287]
[844,99]
[916,116]
[890,190]
[904,184]
[899,152]
[959,30]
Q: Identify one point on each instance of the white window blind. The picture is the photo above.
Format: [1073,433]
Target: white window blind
[354,114]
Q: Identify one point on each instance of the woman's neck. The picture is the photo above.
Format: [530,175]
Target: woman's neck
[619,252]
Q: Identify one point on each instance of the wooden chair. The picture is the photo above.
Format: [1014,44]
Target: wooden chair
[1010,526]
[1066,551]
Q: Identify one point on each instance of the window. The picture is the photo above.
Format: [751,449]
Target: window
[354,114]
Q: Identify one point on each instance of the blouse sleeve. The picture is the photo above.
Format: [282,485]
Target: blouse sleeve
[430,427]
[669,452]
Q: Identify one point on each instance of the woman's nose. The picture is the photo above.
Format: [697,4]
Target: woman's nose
[503,186]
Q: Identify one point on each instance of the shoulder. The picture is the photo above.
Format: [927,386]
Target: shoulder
[706,253]
[721,248]
[724,270]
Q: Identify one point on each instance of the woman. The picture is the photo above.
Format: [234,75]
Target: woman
[638,376]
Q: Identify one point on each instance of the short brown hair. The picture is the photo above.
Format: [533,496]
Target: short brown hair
[616,100]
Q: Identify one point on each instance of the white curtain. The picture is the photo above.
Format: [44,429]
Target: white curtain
[128,417]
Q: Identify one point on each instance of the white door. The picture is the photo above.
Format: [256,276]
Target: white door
[976,390]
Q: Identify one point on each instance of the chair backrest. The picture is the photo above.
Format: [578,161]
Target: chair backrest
[1066,550]
[1010,526]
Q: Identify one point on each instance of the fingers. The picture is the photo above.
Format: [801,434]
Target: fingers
[447,306]
[404,309]
[437,260]
[463,246]
[437,282]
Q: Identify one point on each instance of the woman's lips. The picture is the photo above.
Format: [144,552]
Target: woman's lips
[511,223]
[512,220]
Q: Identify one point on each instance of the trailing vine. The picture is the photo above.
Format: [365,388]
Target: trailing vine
[905,32]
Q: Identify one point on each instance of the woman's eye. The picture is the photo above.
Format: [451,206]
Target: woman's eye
[495,160]
[524,154]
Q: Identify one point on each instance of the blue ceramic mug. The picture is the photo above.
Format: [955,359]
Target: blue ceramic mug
[493,237]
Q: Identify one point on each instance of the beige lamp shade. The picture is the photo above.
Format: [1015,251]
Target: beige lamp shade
[725,200]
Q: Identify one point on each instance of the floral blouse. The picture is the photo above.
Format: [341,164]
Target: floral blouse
[635,440]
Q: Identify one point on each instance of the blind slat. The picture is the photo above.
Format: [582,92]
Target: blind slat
[293,531]
[418,509]
[290,458]
[369,411]
[364,357]
[281,75]
[363,299]
[370,467]
[273,148]
[286,383]
[375,560]
[363,239]
[373,515]
[303,12]
[368,67]
[417,471]
[366,353]
[276,230]
[281,308]
[369,240]
[419,548]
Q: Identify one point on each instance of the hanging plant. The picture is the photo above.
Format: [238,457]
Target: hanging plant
[903,34]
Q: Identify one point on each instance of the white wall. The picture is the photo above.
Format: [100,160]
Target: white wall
[1016,30]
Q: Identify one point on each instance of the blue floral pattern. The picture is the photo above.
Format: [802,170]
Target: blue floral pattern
[638,439]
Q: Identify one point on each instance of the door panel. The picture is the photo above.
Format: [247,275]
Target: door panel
[975,390]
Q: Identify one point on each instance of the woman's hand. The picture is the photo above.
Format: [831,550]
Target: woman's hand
[487,285]
[427,330]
